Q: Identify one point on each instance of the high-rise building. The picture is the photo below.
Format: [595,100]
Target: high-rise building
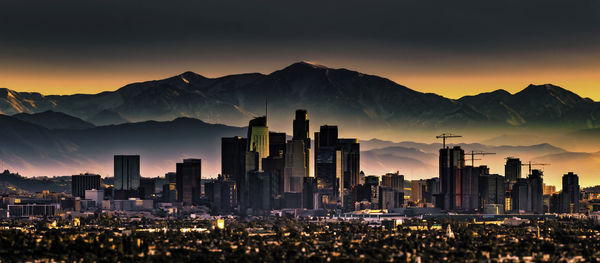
[260,198]
[233,161]
[417,189]
[351,161]
[470,186]
[221,194]
[189,174]
[147,187]
[295,166]
[452,160]
[536,192]
[274,167]
[432,190]
[277,143]
[571,194]
[82,182]
[302,132]
[491,190]
[394,181]
[309,193]
[258,137]
[328,166]
[549,189]
[127,172]
[520,195]
[512,169]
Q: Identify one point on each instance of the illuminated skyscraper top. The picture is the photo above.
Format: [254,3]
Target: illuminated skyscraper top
[258,136]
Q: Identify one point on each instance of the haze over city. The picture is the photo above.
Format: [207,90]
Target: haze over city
[300,131]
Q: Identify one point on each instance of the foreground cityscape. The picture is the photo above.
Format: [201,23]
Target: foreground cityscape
[271,203]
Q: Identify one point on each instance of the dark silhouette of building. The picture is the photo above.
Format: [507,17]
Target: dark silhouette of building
[127,172]
[233,161]
[82,182]
[491,190]
[274,167]
[260,196]
[147,187]
[302,132]
[351,161]
[536,192]
[452,160]
[571,194]
[328,166]
[432,188]
[309,192]
[390,198]
[277,142]
[221,194]
[295,166]
[512,169]
[520,195]
[393,181]
[470,186]
[189,174]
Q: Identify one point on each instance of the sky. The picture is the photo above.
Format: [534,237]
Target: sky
[452,48]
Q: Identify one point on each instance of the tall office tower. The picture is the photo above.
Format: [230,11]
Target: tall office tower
[258,137]
[431,190]
[233,160]
[571,195]
[512,169]
[520,196]
[394,181]
[549,189]
[417,189]
[189,174]
[452,160]
[274,167]
[260,195]
[328,166]
[491,190]
[390,198]
[277,142]
[351,160]
[536,192]
[295,166]
[361,177]
[127,172]
[309,193]
[302,132]
[147,187]
[221,194]
[470,186]
[82,182]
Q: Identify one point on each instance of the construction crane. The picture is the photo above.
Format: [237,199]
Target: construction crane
[444,136]
[534,164]
[473,153]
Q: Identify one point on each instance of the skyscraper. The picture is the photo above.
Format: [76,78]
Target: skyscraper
[328,166]
[512,169]
[520,195]
[571,195]
[233,161]
[258,137]
[491,190]
[127,172]
[277,142]
[82,182]
[470,186]
[351,160]
[452,160]
[536,192]
[189,174]
[302,132]
[295,166]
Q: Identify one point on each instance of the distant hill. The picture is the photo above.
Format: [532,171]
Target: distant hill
[330,95]
[11,182]
[54,120]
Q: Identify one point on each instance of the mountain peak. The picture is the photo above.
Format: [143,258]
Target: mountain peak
[305,65]
[537,91]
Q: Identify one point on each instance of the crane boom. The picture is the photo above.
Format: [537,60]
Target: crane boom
[443,136]
[473,153]
[534,164]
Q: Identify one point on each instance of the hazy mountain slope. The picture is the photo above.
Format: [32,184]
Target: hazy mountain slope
[332,96]
[54,120]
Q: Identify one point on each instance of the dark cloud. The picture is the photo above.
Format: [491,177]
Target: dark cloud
[85,25]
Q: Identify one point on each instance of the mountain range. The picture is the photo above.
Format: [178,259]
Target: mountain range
[33,149]
[333,96]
